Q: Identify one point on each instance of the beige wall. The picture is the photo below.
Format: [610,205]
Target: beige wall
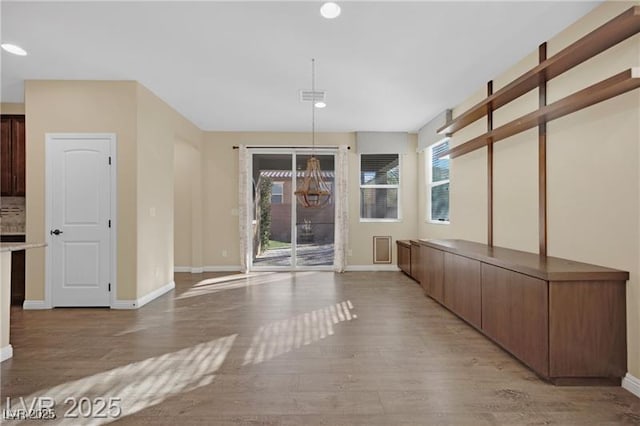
[188,201]
[146,130]
[81,107]
[593,172]
[159,129]
[220,187]
[182,199]
[11,108]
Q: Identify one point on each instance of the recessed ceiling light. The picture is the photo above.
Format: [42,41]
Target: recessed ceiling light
[320,104]
[330,10]
[12,48]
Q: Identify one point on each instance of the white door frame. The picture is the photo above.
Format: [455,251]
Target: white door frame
[51,138]
[294,152]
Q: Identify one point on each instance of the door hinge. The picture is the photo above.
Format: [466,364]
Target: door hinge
[109,286]
[109,223]
[109,160]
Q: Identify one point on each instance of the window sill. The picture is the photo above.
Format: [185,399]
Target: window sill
[380,220]
[437,222]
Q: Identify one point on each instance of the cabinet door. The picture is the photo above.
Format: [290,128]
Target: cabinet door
[5,157]
[515,314]
[434,275]
[462,287]
[403,258]
[18,154]
[417,266]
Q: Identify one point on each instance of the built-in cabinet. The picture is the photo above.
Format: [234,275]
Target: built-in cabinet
[462,287]
[515,313]
[565,320]
[409,258]
[433,278]
[18,259]
[12,156]
[404,256]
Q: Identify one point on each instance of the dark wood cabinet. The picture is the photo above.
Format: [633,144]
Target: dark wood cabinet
[417,267]
[13,157]
[404,256]
[566,320]
[434,276]
[462,287]
[409,258]
[17,269]
[514,314]
[587,329]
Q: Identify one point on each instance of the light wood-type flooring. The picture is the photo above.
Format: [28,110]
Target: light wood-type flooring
[304,348]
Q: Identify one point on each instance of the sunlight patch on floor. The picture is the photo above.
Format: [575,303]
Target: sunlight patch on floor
[231,282]
[142,384]
[279,337]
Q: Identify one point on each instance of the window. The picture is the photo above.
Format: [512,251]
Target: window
[438,183]
[379,186]
[277,191]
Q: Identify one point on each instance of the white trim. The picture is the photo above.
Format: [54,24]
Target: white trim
[141,301]
[189,269]
[222,268]
[124,304]
[113,171]
[294,152]
[385,186]
[372,268]
[32,305]
[430,184]
[438,222]
[632,384]
[6,353]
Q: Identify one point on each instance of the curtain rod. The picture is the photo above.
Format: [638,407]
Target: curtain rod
[289,147]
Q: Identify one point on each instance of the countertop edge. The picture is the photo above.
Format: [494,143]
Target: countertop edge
[608,274]
[5,247]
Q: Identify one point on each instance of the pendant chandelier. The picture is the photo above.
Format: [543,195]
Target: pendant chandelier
[313,191]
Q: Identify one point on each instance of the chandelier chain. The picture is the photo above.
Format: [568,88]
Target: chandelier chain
[313,106]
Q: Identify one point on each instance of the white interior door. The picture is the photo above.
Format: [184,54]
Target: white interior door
[79,193]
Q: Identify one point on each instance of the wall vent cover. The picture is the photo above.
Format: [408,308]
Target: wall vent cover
[308,95]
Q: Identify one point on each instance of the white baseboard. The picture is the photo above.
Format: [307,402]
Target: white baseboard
[372,268]
[28,305]
[141,301]
[201,269]
[6,353]
[222,268]
[632,384]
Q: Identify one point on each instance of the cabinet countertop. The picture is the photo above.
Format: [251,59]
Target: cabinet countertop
[543,267]
[20,246]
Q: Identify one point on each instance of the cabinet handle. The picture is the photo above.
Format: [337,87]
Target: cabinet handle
[15,183]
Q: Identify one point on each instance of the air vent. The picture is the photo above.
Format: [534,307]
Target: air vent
[308,95]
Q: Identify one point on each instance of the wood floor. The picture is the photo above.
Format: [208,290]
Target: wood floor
[291,349]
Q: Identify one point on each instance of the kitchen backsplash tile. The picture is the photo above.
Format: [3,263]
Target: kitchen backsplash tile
[12,215]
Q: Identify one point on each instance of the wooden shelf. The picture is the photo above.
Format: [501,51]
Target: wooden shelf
[613,32]
[606,89]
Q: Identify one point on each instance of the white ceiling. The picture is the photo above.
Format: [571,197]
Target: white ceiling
[386,66]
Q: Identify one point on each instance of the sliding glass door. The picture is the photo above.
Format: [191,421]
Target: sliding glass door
[287,235]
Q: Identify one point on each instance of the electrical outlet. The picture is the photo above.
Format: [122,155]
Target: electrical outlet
[224,253]
[349,252]
[152,212]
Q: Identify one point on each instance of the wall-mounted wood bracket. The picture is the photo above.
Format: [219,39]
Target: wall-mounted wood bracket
[542,158]
[602,38]
[490,169]
[606,89]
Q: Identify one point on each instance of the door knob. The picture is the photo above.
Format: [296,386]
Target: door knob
[55,232]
